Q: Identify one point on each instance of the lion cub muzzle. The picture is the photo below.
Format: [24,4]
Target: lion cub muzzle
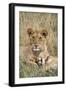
[36,50]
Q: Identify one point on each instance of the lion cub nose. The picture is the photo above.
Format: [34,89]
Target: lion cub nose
[36,45]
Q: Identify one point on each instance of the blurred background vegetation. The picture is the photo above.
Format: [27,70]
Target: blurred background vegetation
[38,21]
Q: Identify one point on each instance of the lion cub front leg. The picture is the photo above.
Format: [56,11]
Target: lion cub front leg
[40,61]
[32,60]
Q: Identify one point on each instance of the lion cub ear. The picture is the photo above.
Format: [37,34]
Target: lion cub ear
[29,31]
[44,33]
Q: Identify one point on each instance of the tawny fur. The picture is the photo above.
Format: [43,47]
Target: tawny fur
[37,41]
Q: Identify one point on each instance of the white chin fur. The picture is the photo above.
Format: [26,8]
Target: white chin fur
[36,49]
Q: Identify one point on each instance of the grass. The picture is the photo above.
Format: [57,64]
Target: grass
[30,70]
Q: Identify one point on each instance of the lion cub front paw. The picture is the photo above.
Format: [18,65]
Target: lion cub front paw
[40,61]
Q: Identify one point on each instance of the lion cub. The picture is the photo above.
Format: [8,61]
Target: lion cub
[36,52]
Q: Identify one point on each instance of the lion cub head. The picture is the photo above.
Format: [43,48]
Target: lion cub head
[37,40]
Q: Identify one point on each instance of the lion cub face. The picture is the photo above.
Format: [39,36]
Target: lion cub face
[37,40]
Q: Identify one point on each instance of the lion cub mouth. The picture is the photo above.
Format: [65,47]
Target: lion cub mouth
[36,49]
